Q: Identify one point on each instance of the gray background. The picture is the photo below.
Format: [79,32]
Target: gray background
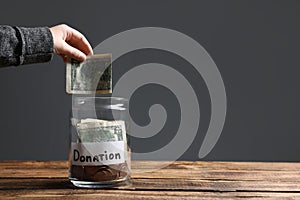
[255,45]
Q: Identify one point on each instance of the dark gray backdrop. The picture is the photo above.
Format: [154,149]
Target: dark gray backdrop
[255,45]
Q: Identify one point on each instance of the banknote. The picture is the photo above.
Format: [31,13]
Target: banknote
[93,76]
[96,130]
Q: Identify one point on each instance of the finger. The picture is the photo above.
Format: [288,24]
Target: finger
[65,58]
[72,52]
[77,40]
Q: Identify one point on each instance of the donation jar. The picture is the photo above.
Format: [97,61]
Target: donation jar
[99,152]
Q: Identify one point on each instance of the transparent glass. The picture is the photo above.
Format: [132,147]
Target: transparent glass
[99,151]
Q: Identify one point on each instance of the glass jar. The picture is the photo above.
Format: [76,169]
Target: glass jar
[99,152]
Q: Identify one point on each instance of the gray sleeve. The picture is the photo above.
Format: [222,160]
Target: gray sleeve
[19,46]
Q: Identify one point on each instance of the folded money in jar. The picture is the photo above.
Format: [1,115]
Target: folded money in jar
[97,130]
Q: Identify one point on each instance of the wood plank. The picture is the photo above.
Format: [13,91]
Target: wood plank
[159,184]
[145,195]
[181,180]
[203,170]
[189,170]
[137,165]
[293,176]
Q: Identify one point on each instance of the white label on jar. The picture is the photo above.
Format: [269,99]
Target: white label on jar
[98,153]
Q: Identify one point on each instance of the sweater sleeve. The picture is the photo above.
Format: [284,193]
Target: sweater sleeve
[19,45]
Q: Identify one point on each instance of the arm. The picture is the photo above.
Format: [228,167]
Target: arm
[20,46]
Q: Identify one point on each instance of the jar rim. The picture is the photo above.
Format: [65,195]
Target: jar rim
[100,102]
[104,98]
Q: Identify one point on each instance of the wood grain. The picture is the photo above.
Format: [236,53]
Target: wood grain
[180,180]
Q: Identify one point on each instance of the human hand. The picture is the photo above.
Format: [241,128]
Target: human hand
[69,42]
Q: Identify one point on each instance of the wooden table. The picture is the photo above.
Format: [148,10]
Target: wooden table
[181,180]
